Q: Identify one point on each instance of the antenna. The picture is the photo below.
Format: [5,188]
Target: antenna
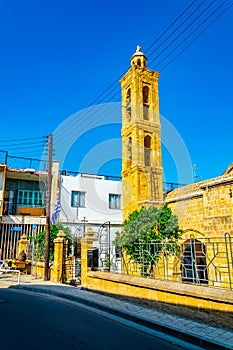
[195,176]
[195,172]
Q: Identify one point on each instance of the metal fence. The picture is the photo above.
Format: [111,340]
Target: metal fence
[22,162]
[10,234]
[202,261]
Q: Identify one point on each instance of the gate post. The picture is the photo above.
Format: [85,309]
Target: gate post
[23,245]
[57,271]
[86,244]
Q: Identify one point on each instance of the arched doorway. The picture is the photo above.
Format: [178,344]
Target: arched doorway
[193,262]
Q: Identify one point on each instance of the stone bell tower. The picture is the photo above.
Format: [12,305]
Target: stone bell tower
[141,143]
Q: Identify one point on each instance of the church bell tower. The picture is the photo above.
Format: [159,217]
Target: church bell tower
[141,142]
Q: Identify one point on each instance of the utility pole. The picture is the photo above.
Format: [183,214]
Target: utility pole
[48,204]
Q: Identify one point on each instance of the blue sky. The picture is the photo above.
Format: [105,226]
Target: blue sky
[58,56]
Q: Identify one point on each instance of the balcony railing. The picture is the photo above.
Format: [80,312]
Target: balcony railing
[12,208]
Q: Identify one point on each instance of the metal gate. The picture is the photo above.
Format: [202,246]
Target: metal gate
[10,234]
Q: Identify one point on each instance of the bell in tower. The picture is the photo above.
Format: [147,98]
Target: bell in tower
[141,141]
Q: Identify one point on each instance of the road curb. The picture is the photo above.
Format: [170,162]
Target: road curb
[169,330]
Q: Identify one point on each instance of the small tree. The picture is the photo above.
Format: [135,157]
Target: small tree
[148,232]
[40,239]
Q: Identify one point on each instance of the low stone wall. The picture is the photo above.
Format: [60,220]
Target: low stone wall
[172,293]
[38,269]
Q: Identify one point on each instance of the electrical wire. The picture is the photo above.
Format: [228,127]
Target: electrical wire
[21,144]
[153,43]
[170,26]
[182,32]
[189,35]
[198,36]
[29,138]
[32,148]
[112,90]
[23,148]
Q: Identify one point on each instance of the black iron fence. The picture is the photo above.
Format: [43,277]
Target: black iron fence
[202,261]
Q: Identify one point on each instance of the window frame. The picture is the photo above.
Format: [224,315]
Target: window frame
[81,202]
[30,198]
[116,201]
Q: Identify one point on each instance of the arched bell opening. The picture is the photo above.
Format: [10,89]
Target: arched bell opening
[147,150]
[145,96]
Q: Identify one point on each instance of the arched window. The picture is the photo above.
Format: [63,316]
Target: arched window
[145,96]
[145,92]
[193,265]
[147,150]
[130,148]
[128,102]
[139,62]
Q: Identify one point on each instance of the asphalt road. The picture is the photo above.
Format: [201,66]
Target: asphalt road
[30,321]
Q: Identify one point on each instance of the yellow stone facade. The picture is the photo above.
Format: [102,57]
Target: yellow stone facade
[205,206]
[86,244]
[150,290]
[141,141]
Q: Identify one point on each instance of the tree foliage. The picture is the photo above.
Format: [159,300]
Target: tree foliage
[150,231]
[40,240]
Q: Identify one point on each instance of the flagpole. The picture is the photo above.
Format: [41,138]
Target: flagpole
[56,211]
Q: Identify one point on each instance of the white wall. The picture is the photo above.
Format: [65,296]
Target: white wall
[96,210]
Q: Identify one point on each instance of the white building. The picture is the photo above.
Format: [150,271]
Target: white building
[90,201]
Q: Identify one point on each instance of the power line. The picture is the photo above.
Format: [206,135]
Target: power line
[90,114]
[170,26]
[25,147]
[183,31]
[181,24]
[189,35]
[108,88]
[30,138]
[29,148]
[202,32]
[154,42]
[165,40]
[42,143]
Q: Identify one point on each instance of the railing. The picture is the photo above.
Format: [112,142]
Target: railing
[6,271]
[205,261]
[170,186]
[37,164]
[13,208]
[3,157]
[76,173]
[167,186]
[22,162]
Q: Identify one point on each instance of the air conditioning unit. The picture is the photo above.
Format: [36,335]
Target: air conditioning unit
[29,170]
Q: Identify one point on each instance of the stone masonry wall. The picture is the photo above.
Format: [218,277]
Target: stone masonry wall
[205,206]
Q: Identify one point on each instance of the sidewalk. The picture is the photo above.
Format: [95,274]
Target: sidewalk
[197,333]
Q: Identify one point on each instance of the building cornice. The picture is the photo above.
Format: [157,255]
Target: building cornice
[185,197]
[218,181]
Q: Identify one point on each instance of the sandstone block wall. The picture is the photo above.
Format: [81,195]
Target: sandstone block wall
[205,206]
